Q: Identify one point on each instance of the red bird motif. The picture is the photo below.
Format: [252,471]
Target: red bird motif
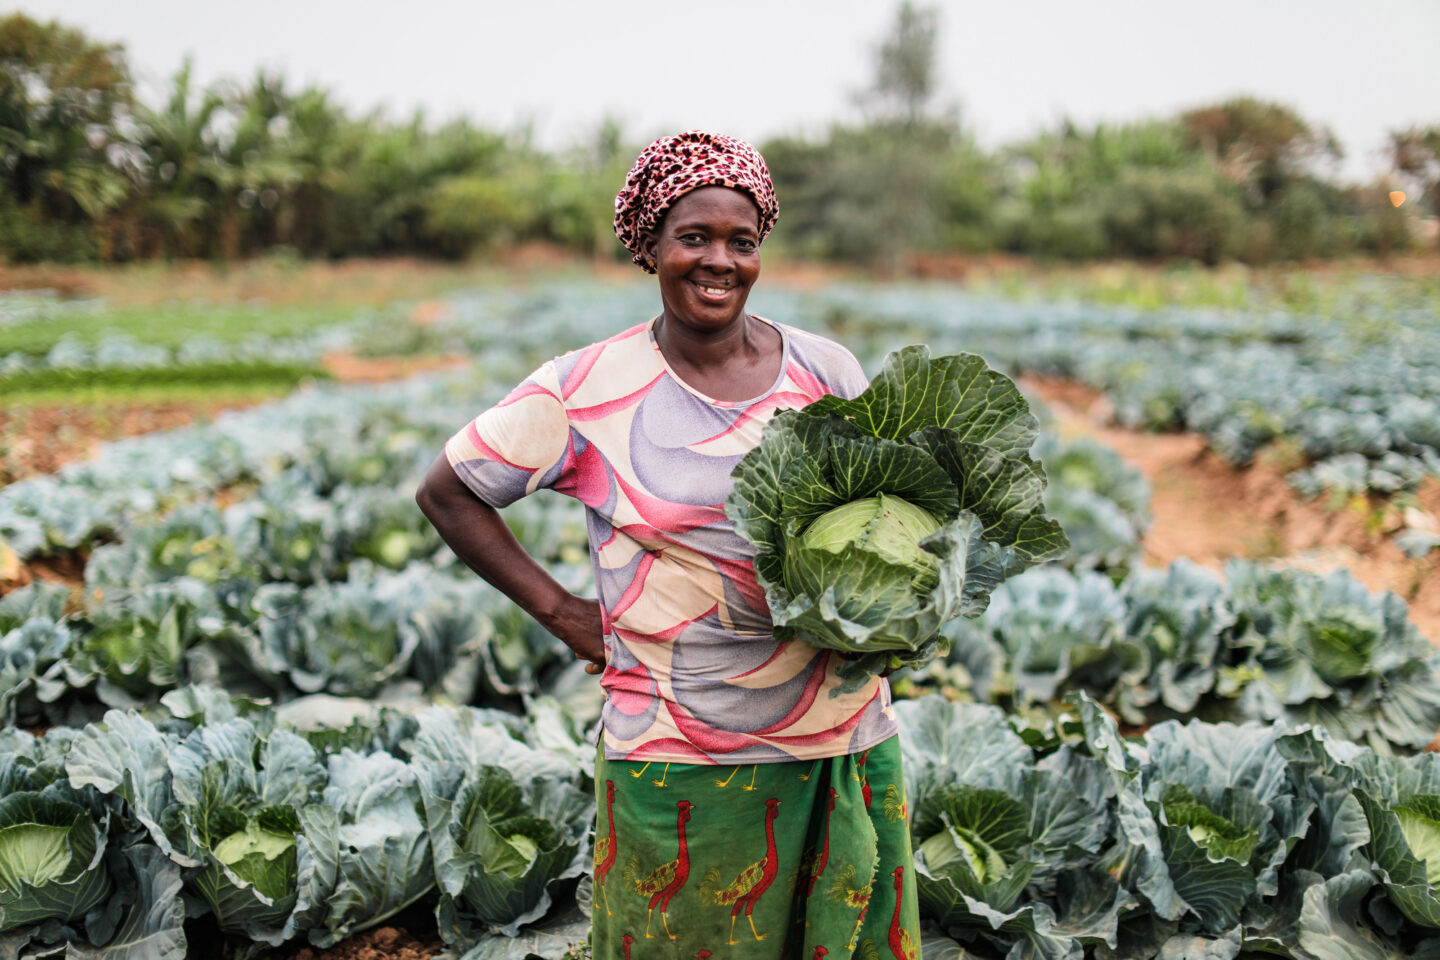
[605,848]
[900,944]
[864,778]
[819,952]
[753,881]
[817,867]
[662,883]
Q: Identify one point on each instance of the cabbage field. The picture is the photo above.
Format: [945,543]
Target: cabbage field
[274,711]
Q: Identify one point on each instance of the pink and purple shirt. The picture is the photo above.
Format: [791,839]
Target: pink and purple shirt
[693,672]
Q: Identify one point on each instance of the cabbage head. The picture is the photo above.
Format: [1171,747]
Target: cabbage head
[50,859]
[876,520]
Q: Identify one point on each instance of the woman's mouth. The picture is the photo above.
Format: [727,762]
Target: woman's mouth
[712,293]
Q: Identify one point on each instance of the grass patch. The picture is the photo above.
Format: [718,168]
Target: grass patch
[30,387]
[108,397]
[170,325]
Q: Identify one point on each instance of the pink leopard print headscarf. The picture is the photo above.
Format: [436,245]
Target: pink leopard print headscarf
[673,166]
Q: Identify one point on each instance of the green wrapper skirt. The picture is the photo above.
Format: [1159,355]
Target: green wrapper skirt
[771,861]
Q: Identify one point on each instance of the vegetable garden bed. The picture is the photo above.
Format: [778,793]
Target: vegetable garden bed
[233,641]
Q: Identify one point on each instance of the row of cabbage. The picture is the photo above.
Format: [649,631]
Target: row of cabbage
[1357,395]
[118,831]
[328,580]
[1260,644]
[320,582]
[1054,841]
[41,332]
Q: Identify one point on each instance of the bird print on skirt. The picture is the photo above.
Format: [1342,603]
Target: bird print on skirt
[798,867]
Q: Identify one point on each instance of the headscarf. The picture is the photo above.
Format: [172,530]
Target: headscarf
[673,166]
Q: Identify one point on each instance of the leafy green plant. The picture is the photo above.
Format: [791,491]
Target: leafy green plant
[878,519]
[238,798]
[507,822]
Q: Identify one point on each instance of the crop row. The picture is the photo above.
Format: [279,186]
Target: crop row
[1353,396]
[326,578]
[1261,644]
[1058,840]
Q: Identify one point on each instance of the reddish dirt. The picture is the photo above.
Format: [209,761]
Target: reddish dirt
[66,569]
[382,943]
[36,440]
[1210,511]
[348,368]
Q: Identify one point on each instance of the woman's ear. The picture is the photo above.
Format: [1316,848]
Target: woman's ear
[650,248]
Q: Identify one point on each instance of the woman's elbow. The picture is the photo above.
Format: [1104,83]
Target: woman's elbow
[430,495]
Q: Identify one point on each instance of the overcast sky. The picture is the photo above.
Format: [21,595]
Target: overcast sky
[755,68]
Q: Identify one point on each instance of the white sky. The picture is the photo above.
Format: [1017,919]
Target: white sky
[755,68]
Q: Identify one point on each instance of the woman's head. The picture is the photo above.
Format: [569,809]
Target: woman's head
[672,167]
[694,210]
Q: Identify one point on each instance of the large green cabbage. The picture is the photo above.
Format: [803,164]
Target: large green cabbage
[875,520]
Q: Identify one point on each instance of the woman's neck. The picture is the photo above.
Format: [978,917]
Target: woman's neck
[707,349]
[738,362]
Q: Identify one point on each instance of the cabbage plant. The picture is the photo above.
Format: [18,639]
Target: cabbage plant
[507,822]
[346,638]
[876,520]
[1327,651]
[1208,823]
[369,842]
[1006,846]
[34,640]
[238,800]
[51,858]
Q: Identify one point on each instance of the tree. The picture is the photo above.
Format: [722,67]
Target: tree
[184,173]
[905,77]
[61,97]
[1260,145]
[1416,153]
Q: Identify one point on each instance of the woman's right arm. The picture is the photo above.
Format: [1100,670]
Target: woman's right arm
[475,531]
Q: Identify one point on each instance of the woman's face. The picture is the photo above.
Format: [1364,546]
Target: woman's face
[707,257]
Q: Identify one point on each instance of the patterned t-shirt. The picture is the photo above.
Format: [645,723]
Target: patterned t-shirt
[693,673]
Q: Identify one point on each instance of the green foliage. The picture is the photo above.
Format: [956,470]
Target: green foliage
[948,439]
[215,376]
[240,167]
[1267,645]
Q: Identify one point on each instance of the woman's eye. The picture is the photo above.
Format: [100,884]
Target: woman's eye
[691,238]
[746,245]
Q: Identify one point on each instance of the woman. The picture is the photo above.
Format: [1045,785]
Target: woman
[758,811]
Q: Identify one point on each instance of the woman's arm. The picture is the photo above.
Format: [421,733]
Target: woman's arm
[474,530]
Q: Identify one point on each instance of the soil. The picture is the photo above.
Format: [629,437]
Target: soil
[348,368]
[1209,510]
[408,935]
[42,439]
[382,943]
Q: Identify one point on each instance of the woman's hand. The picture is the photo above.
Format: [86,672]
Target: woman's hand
[577,622]
[482,539]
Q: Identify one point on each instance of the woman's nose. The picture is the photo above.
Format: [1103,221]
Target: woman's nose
[717,257]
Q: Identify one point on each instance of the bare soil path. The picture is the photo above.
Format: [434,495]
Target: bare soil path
[1210,511]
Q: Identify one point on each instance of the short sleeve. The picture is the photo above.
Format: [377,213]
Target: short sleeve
[517,446]
[833,367]
[849,379]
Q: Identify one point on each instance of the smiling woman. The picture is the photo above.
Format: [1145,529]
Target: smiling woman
[733,771]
